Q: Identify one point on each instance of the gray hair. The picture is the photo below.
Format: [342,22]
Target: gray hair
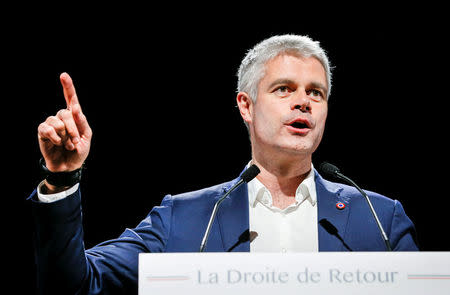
[252,68]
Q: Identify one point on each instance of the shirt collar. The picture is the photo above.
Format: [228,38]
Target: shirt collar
[305,191]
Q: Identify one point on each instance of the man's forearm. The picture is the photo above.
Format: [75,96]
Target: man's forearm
[60,256]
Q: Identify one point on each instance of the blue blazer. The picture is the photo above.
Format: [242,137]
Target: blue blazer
[178,225]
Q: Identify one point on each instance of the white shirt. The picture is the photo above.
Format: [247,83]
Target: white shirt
[293,229]
[49,198]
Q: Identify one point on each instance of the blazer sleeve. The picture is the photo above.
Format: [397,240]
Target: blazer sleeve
[403,233]
[65,267]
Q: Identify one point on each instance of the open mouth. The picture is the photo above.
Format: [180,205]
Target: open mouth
[299,125]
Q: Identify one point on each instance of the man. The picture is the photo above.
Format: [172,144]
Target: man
[283,89]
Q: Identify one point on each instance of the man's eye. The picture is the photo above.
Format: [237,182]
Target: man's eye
[315,94]
[282,90]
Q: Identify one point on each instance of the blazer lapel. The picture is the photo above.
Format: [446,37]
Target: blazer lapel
[332,220]
[233,219]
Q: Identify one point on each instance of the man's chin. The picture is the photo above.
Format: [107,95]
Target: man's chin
[300,149]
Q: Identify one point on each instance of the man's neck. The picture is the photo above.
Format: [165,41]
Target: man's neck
[282,178]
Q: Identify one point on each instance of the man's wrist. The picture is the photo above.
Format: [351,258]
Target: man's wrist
[57,180]
[49,189]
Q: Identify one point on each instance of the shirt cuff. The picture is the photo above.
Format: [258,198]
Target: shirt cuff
[50,198]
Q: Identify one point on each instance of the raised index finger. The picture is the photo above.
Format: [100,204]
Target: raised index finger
[69,90]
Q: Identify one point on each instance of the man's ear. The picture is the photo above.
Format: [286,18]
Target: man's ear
[245,105]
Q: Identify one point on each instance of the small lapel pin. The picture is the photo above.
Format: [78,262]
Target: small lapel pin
[340,205]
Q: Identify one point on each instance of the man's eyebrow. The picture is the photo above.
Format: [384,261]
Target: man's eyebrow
[281,81]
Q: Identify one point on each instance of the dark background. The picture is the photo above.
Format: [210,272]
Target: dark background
[159,95]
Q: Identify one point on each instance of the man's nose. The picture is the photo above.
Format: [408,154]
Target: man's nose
[301,102]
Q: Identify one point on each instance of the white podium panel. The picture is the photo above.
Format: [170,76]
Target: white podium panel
[300,273]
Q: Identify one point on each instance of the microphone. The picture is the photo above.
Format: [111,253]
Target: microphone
[333,171]
[246,176]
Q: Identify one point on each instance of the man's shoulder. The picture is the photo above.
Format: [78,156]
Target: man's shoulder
[350,193]
[207,193]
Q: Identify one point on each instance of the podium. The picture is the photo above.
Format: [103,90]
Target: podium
[295,273]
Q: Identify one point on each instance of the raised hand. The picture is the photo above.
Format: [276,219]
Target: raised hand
[65,139]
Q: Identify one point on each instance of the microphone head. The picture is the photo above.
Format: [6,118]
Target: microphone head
[250,173]
[329,169]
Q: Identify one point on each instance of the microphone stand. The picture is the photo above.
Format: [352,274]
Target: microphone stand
[383,234]
[246,176]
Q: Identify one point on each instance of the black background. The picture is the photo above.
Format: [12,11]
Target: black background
[159,94]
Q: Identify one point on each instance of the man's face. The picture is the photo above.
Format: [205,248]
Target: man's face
[291,108]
